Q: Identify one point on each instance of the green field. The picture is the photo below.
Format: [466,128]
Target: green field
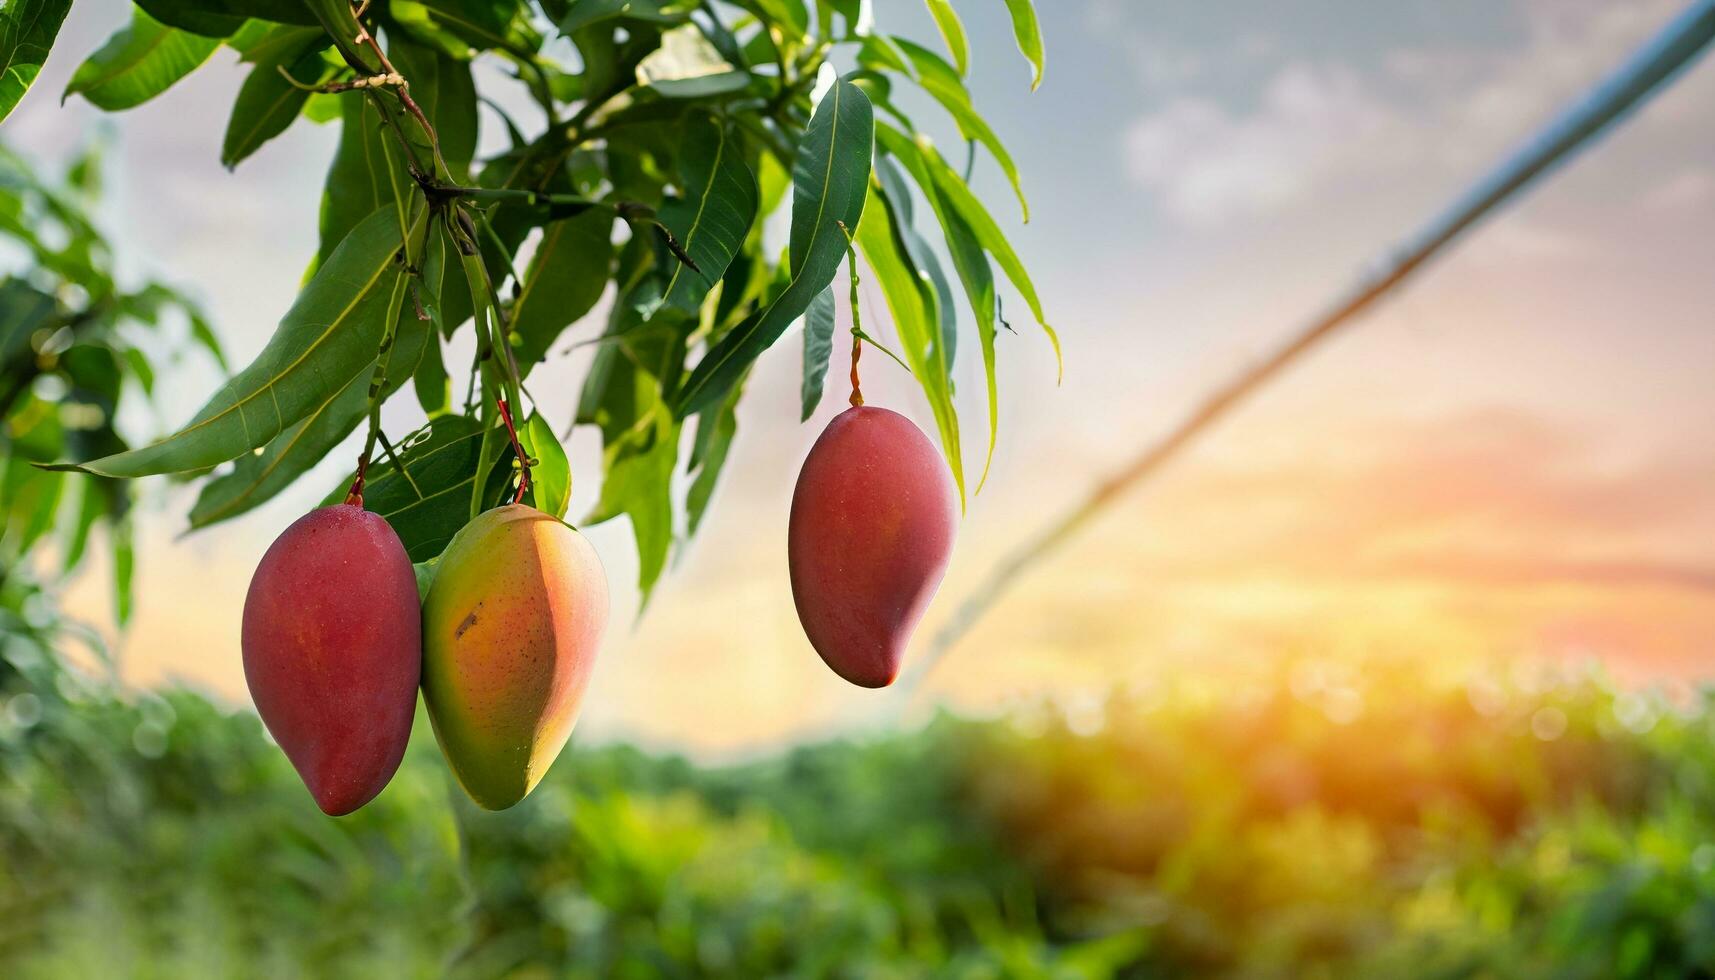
[1353,826]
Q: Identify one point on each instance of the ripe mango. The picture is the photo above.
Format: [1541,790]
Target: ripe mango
[333,650]
[871,533]
[510,632]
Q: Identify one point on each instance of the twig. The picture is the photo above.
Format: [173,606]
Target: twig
[524,460]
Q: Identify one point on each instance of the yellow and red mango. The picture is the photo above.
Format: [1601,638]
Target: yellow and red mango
[510,632]
[871,533]
[333,650]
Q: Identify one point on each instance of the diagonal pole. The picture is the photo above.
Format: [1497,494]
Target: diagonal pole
[1662,57]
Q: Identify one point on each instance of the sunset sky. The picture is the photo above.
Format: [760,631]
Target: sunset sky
[1514,458]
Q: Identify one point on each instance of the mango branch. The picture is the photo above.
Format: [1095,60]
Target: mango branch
[524,459]
[560,206]
[413,245]
[402,88]
[858,334]
[857,321]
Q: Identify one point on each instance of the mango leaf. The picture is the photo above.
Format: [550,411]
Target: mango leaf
[425,572]
[829,179]
[139,63]
[713,217]
[339,19]
[221,18]
[364,176]
[434,388]
[279,11]
[483,23]
[818,349]
[443,88]
[551,474]
[922,257]
[942,82]
[428,500]
[974,271]
[257,477]
[205,18]
[624,395]
[586,12]
[959,199]
[124,570]
[911,301]
[325,340]
[791,16]
[1029,34]
[27,32]
[565,280]
[953,32]
[267,102]
[688,66]
[717,426]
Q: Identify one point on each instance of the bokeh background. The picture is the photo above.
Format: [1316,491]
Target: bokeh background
[1440,600]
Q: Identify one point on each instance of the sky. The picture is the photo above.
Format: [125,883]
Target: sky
[1510,459]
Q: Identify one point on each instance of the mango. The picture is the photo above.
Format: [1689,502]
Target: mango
[511,627]
[333,651]
[870,536]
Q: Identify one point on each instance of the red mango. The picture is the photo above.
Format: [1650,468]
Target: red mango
[333,651]
[871,533]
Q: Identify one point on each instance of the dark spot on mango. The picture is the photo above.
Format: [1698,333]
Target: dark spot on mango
[469,621]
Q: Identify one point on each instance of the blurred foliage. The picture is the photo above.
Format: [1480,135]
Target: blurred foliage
[1337,822]
[77,346]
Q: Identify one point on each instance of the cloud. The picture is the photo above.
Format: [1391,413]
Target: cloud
[1684,190]
[1322,124]
[1209,163]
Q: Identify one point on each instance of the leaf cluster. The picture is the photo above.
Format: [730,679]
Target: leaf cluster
[671,133]
[77,347]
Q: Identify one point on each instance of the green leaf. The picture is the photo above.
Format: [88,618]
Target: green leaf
[818,349]
[139,63]
[279,11]
[713,217]
[1029,34]
[483,23]
[92,505]
[425,572]
[206,18]
[912,302]
[443,88]
[962,201]
[258,477]
[921,256]
[267,102]
[551,473]
[829,179]
[324,341]
[564,281]
[364,176]
[688,66]
[941,81]
[717,426]
[221,18]
[434,388]
[27,32]
[586,12]
[791,16]
[124,569]
[953,32]
[496,440]
[428,501]
[972,266]
[624,394]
